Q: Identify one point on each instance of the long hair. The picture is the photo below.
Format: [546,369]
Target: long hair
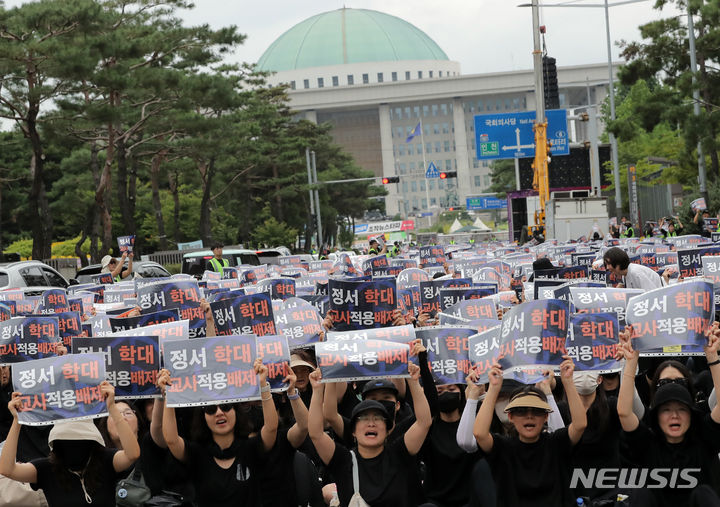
[200,432]
[678,366]
[91,473]
[101,424]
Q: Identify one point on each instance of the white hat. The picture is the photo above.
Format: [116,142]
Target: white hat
[296,360]
[105,261]
[75,430]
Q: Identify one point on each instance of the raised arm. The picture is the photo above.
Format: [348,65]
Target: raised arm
[428,383]
[268,433]
[628,420]
[130,452]
[22,472]
[118,266]
[578,416]
[323,444]
[156,423]
[415,435]
[711,353]
[481,430]
[555,420]
[210,329]
[464,437]
[173,440]
[298,431]
[129,269]
[330,409]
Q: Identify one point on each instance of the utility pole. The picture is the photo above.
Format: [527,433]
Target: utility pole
[317,201]
[613,141]
[310,191]
[696,105]
[540,165]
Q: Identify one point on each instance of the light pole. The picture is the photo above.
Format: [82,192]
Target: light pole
[696,105]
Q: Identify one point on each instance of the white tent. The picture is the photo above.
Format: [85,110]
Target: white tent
[455,226]
[480,225]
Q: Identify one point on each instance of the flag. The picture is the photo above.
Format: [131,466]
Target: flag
[415,132]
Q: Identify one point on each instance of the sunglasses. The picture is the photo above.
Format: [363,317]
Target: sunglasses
[680,381]
[212,409]
[525,411]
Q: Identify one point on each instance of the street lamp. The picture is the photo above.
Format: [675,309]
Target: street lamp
[613,141]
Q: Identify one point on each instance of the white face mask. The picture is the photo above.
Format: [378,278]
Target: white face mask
[585,382]
[500,410]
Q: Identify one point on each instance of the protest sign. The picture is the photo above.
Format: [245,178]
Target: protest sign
[229,273]
[450,296]
[275,354]
[177,330]
[398,334]
[698,205]
[126,244]
[343,265]
[7,310]
[567,273]
[433,255]
[277,288]
[345,361]
[677,315]
[447,351]
[406,300]
[323,265]
[533,335]
[404,263]
[207,371]
[53,301]
[563,291]
[118,295]
[358,305]
[28,338]
[593,342]
[411,277]
[131,363]
[321,302]
[60,388]
[711,268]
[148,319]
[430,292]
[472,309]
[376,263]
[299,322]
[491,275]
[183,295]
[244,315]
[69,325]
[690,261]
[545,288]
[102,279]
[603,300]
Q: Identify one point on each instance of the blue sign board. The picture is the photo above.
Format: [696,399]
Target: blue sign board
[485,203]
[510,135]
[432,171]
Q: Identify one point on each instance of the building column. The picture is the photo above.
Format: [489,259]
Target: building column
[464,182]
[392,200]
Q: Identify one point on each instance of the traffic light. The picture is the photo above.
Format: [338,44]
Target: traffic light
[448,174]
[390,179]
[550,83]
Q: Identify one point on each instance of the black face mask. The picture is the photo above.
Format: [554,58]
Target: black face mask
[390,407]
[448,401]
[74,454]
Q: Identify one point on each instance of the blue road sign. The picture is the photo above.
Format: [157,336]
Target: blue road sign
[485,203]
[432,171]
[510,135]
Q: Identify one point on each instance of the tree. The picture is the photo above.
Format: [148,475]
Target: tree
[272,232]
[503,177]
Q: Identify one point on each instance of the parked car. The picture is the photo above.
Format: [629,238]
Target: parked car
[32,276]
[195,263]
[145,269]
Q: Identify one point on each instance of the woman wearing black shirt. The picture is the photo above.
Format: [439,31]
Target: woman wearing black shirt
[223,461]
[80,469]
[384,468]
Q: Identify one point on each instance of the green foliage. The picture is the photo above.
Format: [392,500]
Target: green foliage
[503,177]
[21,246]
[273,233]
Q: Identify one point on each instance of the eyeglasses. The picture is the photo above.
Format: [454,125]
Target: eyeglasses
[376,418]
[680,381]
[525,411]
[212,409]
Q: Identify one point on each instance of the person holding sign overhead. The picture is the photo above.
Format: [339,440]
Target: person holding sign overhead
[634,276]
[111,265]
[80,469]
[223,458]
[375,472]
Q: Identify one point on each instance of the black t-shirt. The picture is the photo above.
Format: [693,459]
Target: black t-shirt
[58,495]
[646,448]
[385,480]
[161,471]
[447,467]
[219,487]
[277,477]
[531,475]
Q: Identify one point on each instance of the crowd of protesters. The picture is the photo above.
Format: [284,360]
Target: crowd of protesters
[394,443]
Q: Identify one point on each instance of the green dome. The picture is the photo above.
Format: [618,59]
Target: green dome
[348,36]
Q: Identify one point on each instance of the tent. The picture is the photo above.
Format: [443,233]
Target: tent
[479,225]
[455,226]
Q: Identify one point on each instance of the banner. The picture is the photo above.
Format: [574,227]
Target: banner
[452,296]
[207,371]
[593,342]
[677,315]
[492,275]
[411,277]
[275,354]
[244,315]
[472,309]
[603,300]
[533,335]
[568,273]
[447,351]
[377,263]
[28,338]
[126,244]
[690,261]
[299,322]
[319,301]
[131,363]
[398,334]
[118,295]
[102,279]
[167,331]
[118,324]
[433,255]
[545,289]
[60,388]
[563,291]
[343,265]
[69,325]
[183,295]
[346,361]
[277,288]
[358,305]
[7,310]
[430,292]
[53,301]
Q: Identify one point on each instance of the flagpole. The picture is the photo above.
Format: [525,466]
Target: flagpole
[425,168]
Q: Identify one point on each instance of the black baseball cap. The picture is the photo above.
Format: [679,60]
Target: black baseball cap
[366,405]
[376,385]
[672,392]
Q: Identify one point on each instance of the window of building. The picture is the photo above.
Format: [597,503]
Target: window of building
[424,203]
[407,112]
[426,129]
[498,105]
[407,75]
[516,103]
[401,150]
[404,187]
[394,76]
[409,129]
[478,182]
[428,147]
[430,73]
[431,184]
[292,85]
[400,132]
[321,82]
[366,79]
[436,128]
[419,74]
[433,201]
[439,73]
[403,168]
[421,165]
[438,147]
[422,185]
[415,203]
[507,104]
[411,165]
[418,148]
[306,83]
[351,79]
[336,81]
[488,106]
[416,111]
[413,186]
[443,109]
[426,110]
[441,184]
[380,77]
[479,105]
[445,128]
[398,113]
[486,179]
[409,149]
[448,164]
[434,108]
[476,163]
